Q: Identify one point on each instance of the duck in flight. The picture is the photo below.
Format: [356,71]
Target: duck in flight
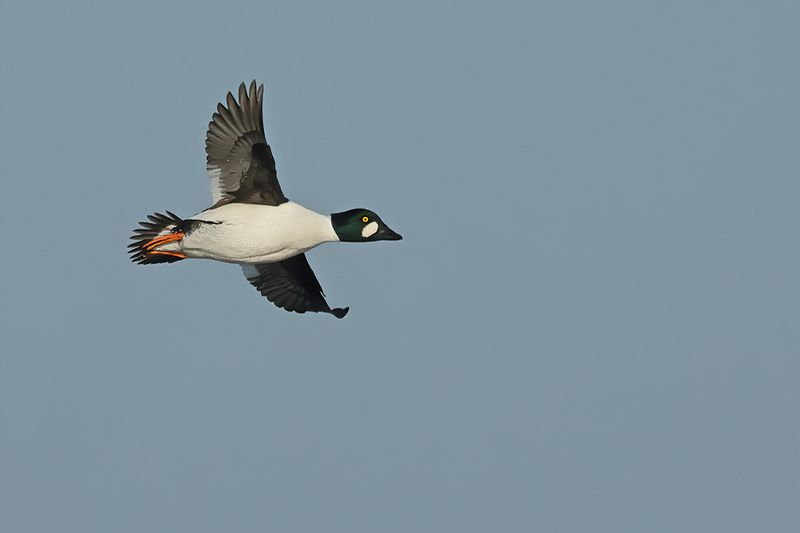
[251,222]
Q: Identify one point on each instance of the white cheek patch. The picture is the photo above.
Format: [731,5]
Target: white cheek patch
[369,230]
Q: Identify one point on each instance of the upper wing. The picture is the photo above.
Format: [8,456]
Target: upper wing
[239,160]
[291,285]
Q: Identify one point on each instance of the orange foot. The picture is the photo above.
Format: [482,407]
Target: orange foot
[158,241]
[179,255]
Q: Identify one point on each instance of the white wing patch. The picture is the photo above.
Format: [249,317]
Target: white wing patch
[369,230]
[249,271]
[217,191]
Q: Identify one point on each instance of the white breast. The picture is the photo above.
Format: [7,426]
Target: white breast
[250,233]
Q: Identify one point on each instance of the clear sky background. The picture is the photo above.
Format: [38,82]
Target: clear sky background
[592,324]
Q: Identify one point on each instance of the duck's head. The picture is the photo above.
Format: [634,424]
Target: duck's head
[361,225]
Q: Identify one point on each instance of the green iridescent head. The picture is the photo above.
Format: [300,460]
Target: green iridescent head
[361,225]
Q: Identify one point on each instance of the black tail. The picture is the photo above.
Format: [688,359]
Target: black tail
[145,251]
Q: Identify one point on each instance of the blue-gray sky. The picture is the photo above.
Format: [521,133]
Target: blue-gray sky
[591,325]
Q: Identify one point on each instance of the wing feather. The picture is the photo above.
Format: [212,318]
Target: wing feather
[238,158]
[290,284]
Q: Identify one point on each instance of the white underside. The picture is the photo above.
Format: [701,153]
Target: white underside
[250,233]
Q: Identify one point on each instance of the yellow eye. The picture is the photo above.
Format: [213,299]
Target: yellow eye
[364,219]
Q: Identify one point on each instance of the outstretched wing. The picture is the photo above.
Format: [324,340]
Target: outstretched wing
[238,158]
[291,285]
